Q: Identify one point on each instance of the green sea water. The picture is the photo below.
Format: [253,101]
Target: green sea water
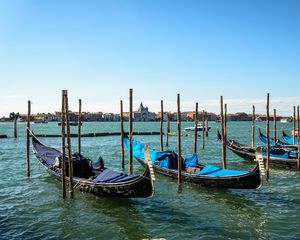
[32,208]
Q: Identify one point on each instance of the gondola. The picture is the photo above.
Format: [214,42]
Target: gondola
[166,163]
[95,178]
[279,158]
[277,144]
[289,139]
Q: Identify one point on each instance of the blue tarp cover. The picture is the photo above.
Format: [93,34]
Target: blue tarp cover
[110,176]
[289,139]
[191,161]
[213,171]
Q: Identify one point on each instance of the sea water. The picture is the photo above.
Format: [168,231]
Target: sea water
[32,207]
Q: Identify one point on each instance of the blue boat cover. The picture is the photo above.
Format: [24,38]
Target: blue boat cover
[167,159]
[289,139]
[191,161]
[213,171]
[110,176]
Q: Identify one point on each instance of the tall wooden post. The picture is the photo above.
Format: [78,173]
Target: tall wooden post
[130,170]
[294,125]
[28,139]
[274,119]
[122,135]
[167,130]
[206,128]
[298,131]
[15,126]
[253,125]
[161,124]
[179,137]
[69,145]
[79,128]
[203,140]
[195,130]
[223,134]
[268,137]
[63,144]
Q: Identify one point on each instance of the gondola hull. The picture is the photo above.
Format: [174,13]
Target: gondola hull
[244,179]
[141,186]
[248,153]
[251,180]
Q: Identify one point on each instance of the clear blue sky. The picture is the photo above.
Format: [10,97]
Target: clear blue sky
[99,49]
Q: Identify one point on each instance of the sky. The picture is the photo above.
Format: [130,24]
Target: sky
[98,50]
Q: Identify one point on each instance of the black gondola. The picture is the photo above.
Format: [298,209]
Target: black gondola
[277,143]
[95,178]
[209,176]
[278,157]
[289,139]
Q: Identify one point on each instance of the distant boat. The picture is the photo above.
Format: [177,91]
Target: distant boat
[20,120]
[285,120]
[71,124]
[173,134]
[40,121]
[200,127]
[258,119]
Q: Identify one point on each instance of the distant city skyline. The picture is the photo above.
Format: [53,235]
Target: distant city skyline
[283,106]
[97,50]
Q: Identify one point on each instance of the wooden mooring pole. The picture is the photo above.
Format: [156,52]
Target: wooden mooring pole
[69,145]
[167,130]
[206,126]
[294,125]
[28,139]
[268,137]
[79,128]
[130,170]
[203,139]
[223,134]
[63,144]
[161,124]
[275,127]
[15,125]
[298,131]
[122,136]
[253,125]
[196,130]
[179,137]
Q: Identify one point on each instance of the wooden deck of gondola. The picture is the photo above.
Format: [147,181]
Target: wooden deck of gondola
[102,134]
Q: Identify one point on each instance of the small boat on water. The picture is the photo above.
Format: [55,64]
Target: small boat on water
[200,127]
[20,119]
[278,157]
[173,134]
[71,124]
[277,143]
[41,121]
[289,139]
[166,163]
[258,119]
[94,177]
[285,120]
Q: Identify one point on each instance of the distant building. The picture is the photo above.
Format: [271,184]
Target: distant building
[190,116]
[111,117]
[92,117]
[240,116]
[143,114]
